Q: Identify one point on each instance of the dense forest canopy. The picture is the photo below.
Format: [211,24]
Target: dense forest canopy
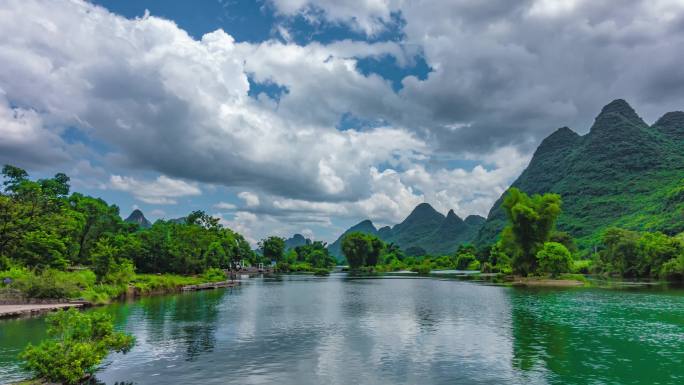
[42,225]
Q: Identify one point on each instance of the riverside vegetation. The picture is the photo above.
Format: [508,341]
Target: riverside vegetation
[530,245]
[56,245]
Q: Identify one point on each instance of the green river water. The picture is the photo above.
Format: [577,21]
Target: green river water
[336,330]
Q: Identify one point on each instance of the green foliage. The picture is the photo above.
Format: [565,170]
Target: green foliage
[632,254]
[213,275]
[78,343]
[273,248]
[622,174]
[465,257]
[530,223]
[554,258]
[42,226]
[423,269]
[362,249]
[315,254]
[582,266]
[321,272]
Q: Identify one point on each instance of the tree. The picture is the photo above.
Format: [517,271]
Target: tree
[104,258]
[355,247]
[42,249]
[465,256]
[362,249]
[79,342]
[376,248]
[97,219]
[273,248]
[620,252]
[554,259]
[530,223]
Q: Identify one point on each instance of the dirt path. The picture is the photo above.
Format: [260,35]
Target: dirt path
[27,309]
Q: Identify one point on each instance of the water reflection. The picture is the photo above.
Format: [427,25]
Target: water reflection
[589,336]
[337,330]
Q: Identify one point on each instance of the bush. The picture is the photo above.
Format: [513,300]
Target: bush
[422,269]
[464,260]
[473,265]
[213,274]
[673,269]
[581,266]
[321,272]
[78,343]
[554,259]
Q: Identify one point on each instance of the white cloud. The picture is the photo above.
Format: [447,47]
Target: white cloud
[23,137]
[162,190]
[225,206]
[251,199]
[505,74]
[164,101]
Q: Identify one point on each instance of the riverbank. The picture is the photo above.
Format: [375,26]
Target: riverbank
[31,292]
[21,310]
[546,282]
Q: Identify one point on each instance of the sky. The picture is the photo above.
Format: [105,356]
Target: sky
[308,116]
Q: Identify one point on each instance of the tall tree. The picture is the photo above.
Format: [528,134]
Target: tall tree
[273,248]
[530,223]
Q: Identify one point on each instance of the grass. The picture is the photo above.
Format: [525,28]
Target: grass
[82,284]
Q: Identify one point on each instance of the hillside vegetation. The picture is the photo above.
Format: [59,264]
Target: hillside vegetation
[623,173]
[424,231]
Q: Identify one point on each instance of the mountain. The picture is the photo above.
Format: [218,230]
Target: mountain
[366,227]
[138,217]
[622,173]
[296,240]
[425,228]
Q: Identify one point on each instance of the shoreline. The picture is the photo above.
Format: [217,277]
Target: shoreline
[31,309]
[28,309]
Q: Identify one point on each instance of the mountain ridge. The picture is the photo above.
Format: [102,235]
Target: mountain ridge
[618,174]
[423,229]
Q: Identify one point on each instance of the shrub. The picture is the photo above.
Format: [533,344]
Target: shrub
[213,274]
[422,269]
[554,259]
[78,343]
[473,265]
[464,260]
[581,266]
[673,269]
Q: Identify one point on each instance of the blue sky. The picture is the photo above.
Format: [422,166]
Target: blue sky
[307,116]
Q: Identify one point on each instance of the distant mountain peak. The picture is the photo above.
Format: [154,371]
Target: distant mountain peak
[615,110]
[619,106]
[138,217]
[451,216]
[561,138]
[295,241]
[672,124]
[424,209]
[475,220]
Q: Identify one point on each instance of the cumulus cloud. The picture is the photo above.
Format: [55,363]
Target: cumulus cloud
[504,75]
[225,206]
[24,137]
[169,103]
[251,199]
[510,72]
[162,190]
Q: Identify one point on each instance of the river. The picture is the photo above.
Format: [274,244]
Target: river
[303,330]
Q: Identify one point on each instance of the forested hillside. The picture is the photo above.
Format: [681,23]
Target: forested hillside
[424,231]
[623,173]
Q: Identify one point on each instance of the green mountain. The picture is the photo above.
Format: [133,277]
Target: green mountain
[622,173]
[365,227]
[425,230]
[296,240]
[138,217]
